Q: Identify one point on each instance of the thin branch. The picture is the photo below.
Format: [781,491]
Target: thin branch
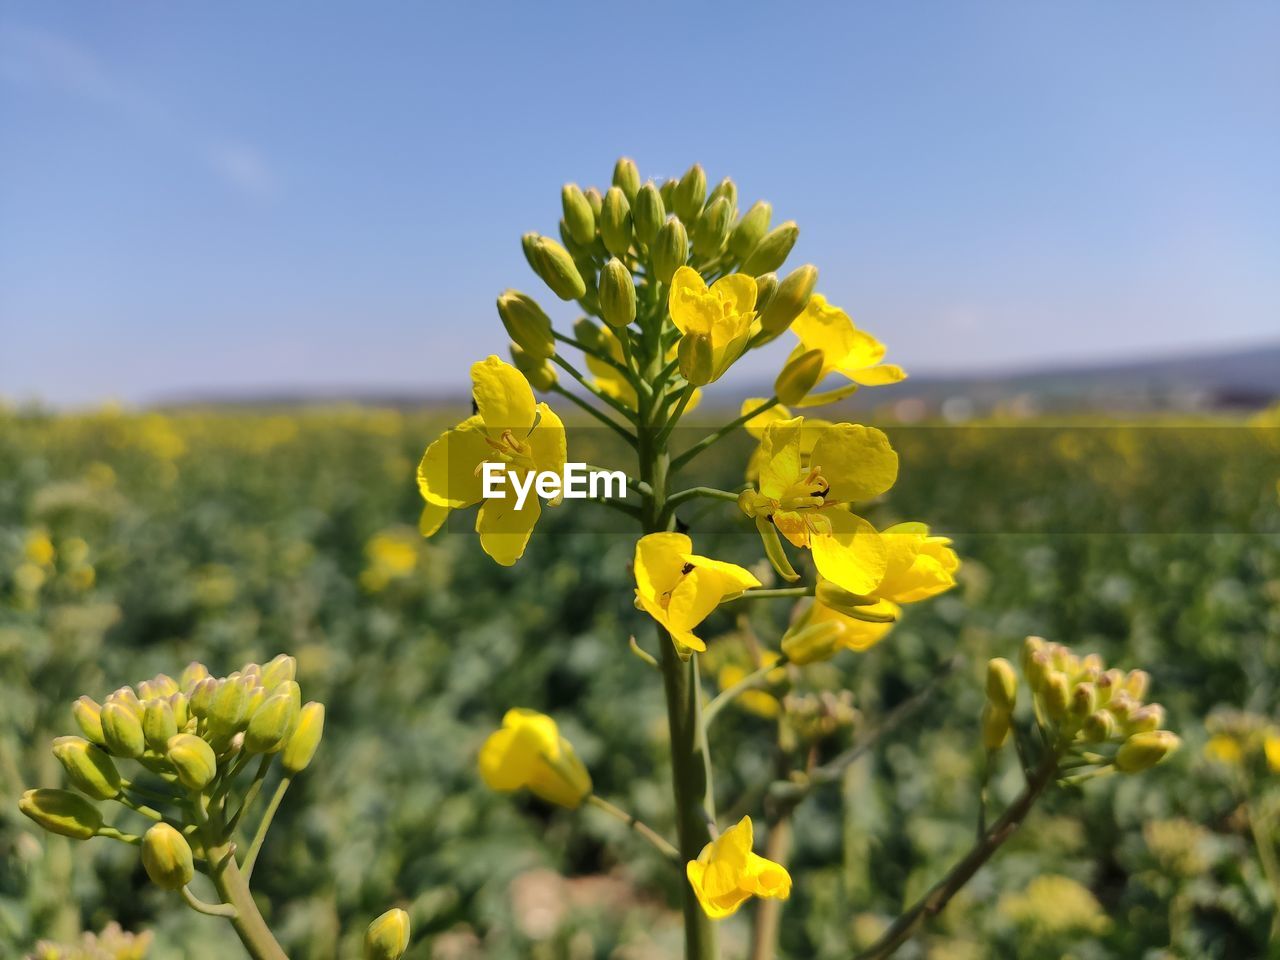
[604,358]
[685,396]
[595,391]
[659,842]
[692,493]
[598,414]
[756,678]
[209,909]
[775,592]
[255,847]
[724,431]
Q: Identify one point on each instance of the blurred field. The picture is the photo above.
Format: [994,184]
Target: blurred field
[133,543]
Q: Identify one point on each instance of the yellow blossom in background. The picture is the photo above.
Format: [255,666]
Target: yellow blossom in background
[680,589]
[727,873]
[846,351]
[808,502]
[392,555]
[1271,748]
[39,549]
[1224,748]
[715,322]
[529,753]
[509,428]
[759,702]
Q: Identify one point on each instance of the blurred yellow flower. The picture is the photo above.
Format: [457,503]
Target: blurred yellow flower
[1271,747]
[509,428]
[529,753]
[1224,748]
[680,589]
[846,350]
[727,873]
[808,502]
[39,549]
[392,555]
[715,322]
[759,702]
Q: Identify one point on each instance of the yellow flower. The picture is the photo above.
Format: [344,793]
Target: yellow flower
[809,502]
[759,702]
[1225,749]
[810,430]
[39,549]
[715,324]
[508,428]
[529,753]
[1271,747]
[856,634]
[846,350]
[680,589]
[919,565]
[727,873]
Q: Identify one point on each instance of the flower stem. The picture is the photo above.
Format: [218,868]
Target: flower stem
[752,680]
[255,846]
[724,431]
[643,829]
[598,414]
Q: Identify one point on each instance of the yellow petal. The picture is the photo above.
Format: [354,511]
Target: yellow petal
[780,457]
[659,559]
[853,555]
[732,578]
[503,397]
[504,530]
[432,518]
[690,307]
[857,461]
[755,426]
[447,474]
[878,376]
[738,290]
[547,441]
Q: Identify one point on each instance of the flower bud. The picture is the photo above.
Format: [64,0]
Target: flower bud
[725,188]
[800,375]
[579,218]
[690,194]
[1038,667]
[1055,695]
[1030,647]
[1099,727]
[617,294]
[193,759]
[281,667]
[166,856]
[122,730]
[773,549]
[191,675]
[163,685]
[201,698]
[1002,683]
[670,250]
[1144,750]
[790,300]
[552,263]
[257,697]
[158,723]
[595,199]
[712,228]
[1121,706]
[127,699]
[587,332]
[526,325]
[996,724]
[813,643]
[1084,700]
[271,724]
[230,706]
[181,714]
[304,740]
[841,600]
[750,230]
[615,222]
[626,177]
[88,767]
[387,937]
[294,692]
[647,214]
[62,812]
[766,290]
[88,717]
[1145,719]
[1137,683]
[540,373]
[529,246]
[772,250]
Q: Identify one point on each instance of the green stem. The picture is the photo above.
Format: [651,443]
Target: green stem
[591,388]
[598,414]
[1270,869]
[724,431]
[208,909]
[756,678]
[603,358]
[685,396]
[693,493]
[640,827]
[255,847]
[252,793]
[774,593]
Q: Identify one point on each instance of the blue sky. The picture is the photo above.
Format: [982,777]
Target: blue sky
[237,196]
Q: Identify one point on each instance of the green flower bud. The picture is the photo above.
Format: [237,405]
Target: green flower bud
[529,246]
[1055,695]
[773,547]
[670,250]
[62,812]
[725,188]
[387,937]
[294,692]
[667,190]
[282,667]
[690,194]
[201,698]
[163,685]
[193,674]
[166,856]
[766,290]
[626,177]
[813,643]
[799,376]
[697,359]
[1121,706]
[552,263]
[1145,719]
[88,717]
[158,723]
[127,699]
[1084,700]
[617,294]
[1002,683]
[1144,750]
[178,702]
[750,230]
[230,706]
[540,373]
[615,222]
[587,332]
[526,325]
[1109,684]
[305,739]
[647,214]
[88,767]
[772,250]
[122,730]
[996,724]
[193,759]
[579,218]
[790,300]
[712,228]
[595,199]
[847,602]
[271,724]
[1137,683]
[257,697]
[1030,647]
[1099,727]
[1038,667]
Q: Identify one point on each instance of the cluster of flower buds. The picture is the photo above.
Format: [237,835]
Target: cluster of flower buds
[816,716]
[1099,715]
